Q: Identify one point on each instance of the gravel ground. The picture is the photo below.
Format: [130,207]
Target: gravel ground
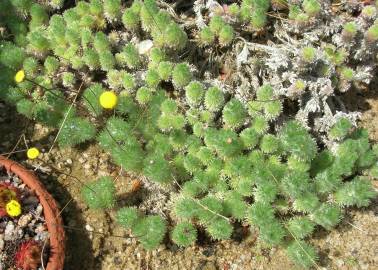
[94,240]
[30,225]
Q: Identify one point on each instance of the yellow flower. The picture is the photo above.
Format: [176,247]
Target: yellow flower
[32,153]
[108,100]
[13,208]
[20,76]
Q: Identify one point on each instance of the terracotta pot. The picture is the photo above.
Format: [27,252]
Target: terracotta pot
[50,210]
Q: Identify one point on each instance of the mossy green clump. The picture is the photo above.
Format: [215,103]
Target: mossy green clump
[130,19]
[165,70]
[181,75]
[194,93]
[127,216]
[302,253]
[234,114]
[206,36]
[214,99]
[350,30]
[340,129]
[149,230]
[216,152]
[372,33]
[99,194]
[311,7]
[308,54]
[184,234]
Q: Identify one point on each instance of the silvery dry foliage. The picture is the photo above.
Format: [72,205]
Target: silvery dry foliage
[281,64]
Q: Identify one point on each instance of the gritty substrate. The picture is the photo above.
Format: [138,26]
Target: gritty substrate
[29,226]
[96,242]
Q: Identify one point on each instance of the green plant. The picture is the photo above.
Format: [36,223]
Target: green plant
[150,230]
[302,253]
[181,75]
[341,129]
[308,54]
[372,33]
[311,7]
[216,24]
[165,70]
[214,99]
[184,234]
[350,30]
[225,152]
[194,93]
[234,114]
[99,194]
[130,19]
[206,36]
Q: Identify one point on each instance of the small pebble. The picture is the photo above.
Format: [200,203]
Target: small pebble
[24,220]
[9,232]
[89,228]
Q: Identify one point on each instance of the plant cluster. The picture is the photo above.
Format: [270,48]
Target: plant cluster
[329,55]
[227,155]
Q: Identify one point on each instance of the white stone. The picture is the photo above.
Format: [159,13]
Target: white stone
[89,228]
[145,46]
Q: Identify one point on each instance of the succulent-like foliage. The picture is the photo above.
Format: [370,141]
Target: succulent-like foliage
[175,37]
[223,147]
[194,93]
[157,169]
[216,24]
[302,253]
[150,231]
[130,19]
[186,208]
[340,129]
[165,70]
[100,193]
[266,192]
[311,7]
[357,192]
[219,228]
[260,214]
[272,233]
[184,234]
[206,36]
[234,114]
[75,130]
[214,99]
[300,227]
[350,30]
[235,206]
[296,141]
[327,215]
[181,75]
[127,216]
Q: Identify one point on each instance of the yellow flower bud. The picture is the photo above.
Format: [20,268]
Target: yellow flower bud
[20,76]
[32,153]
[13,208]
[108,100]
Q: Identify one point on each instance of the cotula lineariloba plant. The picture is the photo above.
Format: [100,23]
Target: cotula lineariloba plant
[223,159]
[217,170]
